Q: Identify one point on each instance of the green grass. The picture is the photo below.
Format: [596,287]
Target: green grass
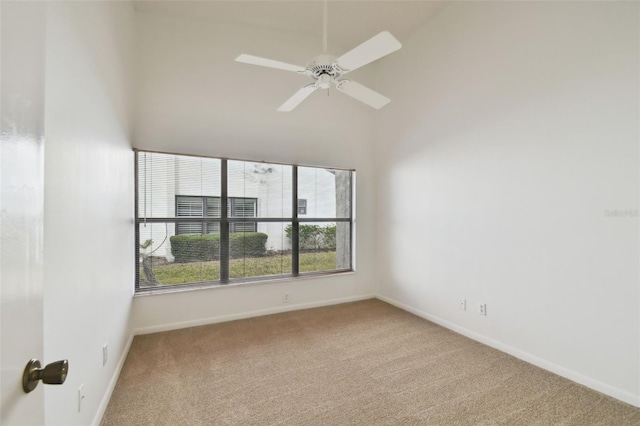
[182,273]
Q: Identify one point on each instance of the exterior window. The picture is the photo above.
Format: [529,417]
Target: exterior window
[243,207]
[302,206]
[194,206]
[280,221]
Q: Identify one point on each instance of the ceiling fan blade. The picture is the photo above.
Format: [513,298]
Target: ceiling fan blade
[362,93]
[298,97]
[375,48]
[269,63]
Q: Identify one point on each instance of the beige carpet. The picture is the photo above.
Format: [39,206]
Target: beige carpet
[363,363]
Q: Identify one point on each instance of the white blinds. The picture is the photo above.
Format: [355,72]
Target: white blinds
[183,239]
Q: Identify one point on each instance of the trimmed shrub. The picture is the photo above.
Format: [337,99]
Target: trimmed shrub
[315,237]
[329,237]
[195,248]
[247,244]
[205,248]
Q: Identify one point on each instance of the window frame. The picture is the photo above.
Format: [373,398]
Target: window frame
[226,223]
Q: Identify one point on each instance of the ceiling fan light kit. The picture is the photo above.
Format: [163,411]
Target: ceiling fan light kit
[326,70]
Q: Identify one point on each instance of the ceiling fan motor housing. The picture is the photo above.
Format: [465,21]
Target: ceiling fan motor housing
[322,65]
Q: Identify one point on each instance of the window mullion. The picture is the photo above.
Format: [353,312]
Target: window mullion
[295,226]
[224,224]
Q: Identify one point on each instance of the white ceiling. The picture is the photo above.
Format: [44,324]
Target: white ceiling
[349,22]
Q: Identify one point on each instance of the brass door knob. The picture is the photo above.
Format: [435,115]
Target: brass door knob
[53,374]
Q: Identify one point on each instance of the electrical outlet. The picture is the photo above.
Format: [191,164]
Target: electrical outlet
[80,397]
[463,304]
[285,297]
[482,309]
[105,354]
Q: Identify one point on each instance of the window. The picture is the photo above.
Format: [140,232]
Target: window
[302,206]
[194,206]
[243,207]
[184,238]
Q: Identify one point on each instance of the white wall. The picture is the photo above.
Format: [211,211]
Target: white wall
[88,236]
[193,98]
[513,128]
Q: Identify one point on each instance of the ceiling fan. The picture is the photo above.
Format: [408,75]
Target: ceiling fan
[326,70]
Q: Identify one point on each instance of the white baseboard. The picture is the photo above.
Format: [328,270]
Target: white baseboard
[249,314]
[112,384]
[604,388]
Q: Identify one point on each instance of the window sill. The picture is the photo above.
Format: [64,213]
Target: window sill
[152,291]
